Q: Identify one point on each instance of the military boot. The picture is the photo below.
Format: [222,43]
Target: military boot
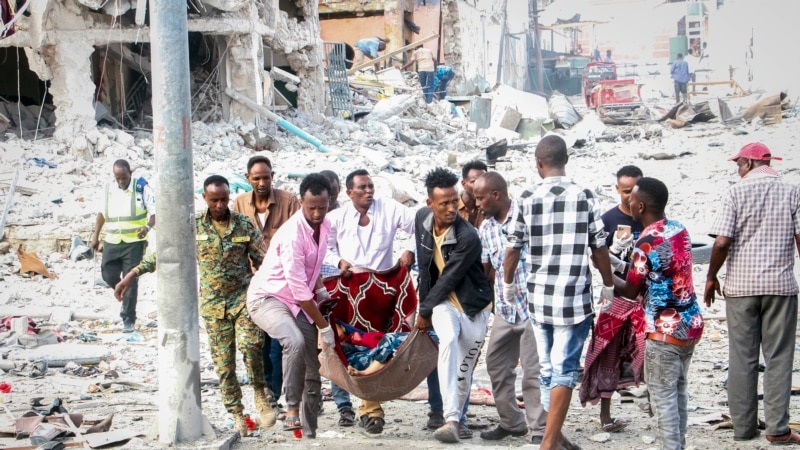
[239,424]
[265,411]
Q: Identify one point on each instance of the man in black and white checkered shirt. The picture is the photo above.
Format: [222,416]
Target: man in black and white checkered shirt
[756,232]
[560,224]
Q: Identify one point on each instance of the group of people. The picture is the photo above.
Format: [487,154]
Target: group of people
[478,251]
[433,77]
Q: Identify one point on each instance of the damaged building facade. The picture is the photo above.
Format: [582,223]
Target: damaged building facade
[79,62]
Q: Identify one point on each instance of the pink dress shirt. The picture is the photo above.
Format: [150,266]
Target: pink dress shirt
[292,265]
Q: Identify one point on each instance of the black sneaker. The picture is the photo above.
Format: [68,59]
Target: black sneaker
[435,420]
[501,433]
[128,328]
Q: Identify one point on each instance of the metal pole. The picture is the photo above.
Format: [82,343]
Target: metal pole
[537,42]
[180,418]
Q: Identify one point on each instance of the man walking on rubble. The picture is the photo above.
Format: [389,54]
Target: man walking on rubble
[283,300]
[755,234]
[426,66]
[681,76]
[662,272]
[512,340]
[228,244]
[128,213]
[362,236]
[455,297]
[268,208]
[558,222]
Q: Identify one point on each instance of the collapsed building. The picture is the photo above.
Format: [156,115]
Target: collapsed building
[73,63]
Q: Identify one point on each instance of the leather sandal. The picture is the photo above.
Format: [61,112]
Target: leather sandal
[347,417]
[790,438]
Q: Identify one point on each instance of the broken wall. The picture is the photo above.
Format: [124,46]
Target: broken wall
[60,36]
[472,39]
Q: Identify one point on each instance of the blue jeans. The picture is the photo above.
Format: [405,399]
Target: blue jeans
[271,354]
[680,88]
[560,348]
[340,397]
[426,81]
[665,369]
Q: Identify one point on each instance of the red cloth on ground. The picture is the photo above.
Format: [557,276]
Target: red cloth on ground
[618,337]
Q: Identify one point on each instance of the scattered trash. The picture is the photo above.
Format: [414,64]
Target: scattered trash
[41,162]
[648,439]
[5,388]
[600,437]
[131,337]
[330,434]
[79,250]
[30,263]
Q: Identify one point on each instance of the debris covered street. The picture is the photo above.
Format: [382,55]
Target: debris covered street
[62,349]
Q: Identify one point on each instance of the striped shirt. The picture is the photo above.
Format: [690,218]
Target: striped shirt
[761,215]
[558,221]
[493,241]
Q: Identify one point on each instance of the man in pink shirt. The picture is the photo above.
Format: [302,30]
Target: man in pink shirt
[281,300]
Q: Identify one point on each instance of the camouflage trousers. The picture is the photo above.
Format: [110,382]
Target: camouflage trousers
[224,335]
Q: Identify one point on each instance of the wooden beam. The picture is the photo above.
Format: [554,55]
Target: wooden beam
[133,60]
[379,59]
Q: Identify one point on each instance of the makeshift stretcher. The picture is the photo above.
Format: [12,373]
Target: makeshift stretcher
[386,302]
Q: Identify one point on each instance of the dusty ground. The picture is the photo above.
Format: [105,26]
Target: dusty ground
[696,181]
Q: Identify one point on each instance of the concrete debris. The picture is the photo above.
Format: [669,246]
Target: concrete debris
[562,110]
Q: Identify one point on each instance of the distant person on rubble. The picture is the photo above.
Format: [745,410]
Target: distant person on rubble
[444,74]
[681,76]
[227,245]
[128,212]
[370,47]
[426,66]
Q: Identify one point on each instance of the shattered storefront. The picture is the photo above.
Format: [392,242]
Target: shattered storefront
[70,64]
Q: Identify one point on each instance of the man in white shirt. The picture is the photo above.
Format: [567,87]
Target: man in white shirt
[362,236]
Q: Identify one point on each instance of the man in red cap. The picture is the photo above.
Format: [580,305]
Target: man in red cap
[757,231]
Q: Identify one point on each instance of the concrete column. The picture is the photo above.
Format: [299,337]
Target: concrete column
[244,64]
[72,87]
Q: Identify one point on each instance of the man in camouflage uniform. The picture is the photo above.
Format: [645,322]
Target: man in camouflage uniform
[225,242]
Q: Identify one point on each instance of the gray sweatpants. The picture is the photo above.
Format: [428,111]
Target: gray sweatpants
[298,337]
[508,344]
[766,323]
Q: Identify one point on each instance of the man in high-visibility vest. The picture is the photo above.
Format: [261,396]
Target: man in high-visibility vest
[128,212]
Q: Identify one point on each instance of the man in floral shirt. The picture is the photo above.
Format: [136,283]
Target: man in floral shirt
[662,272]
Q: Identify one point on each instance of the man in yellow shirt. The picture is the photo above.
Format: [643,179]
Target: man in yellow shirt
[128,213]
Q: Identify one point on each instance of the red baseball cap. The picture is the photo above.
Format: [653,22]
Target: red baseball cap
[756,151]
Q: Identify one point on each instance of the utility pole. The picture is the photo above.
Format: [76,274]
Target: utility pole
[503,33]
[533,12]
[180,418]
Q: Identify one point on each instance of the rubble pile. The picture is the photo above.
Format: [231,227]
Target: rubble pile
[26,121]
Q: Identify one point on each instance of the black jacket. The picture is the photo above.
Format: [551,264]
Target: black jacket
[463,271]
